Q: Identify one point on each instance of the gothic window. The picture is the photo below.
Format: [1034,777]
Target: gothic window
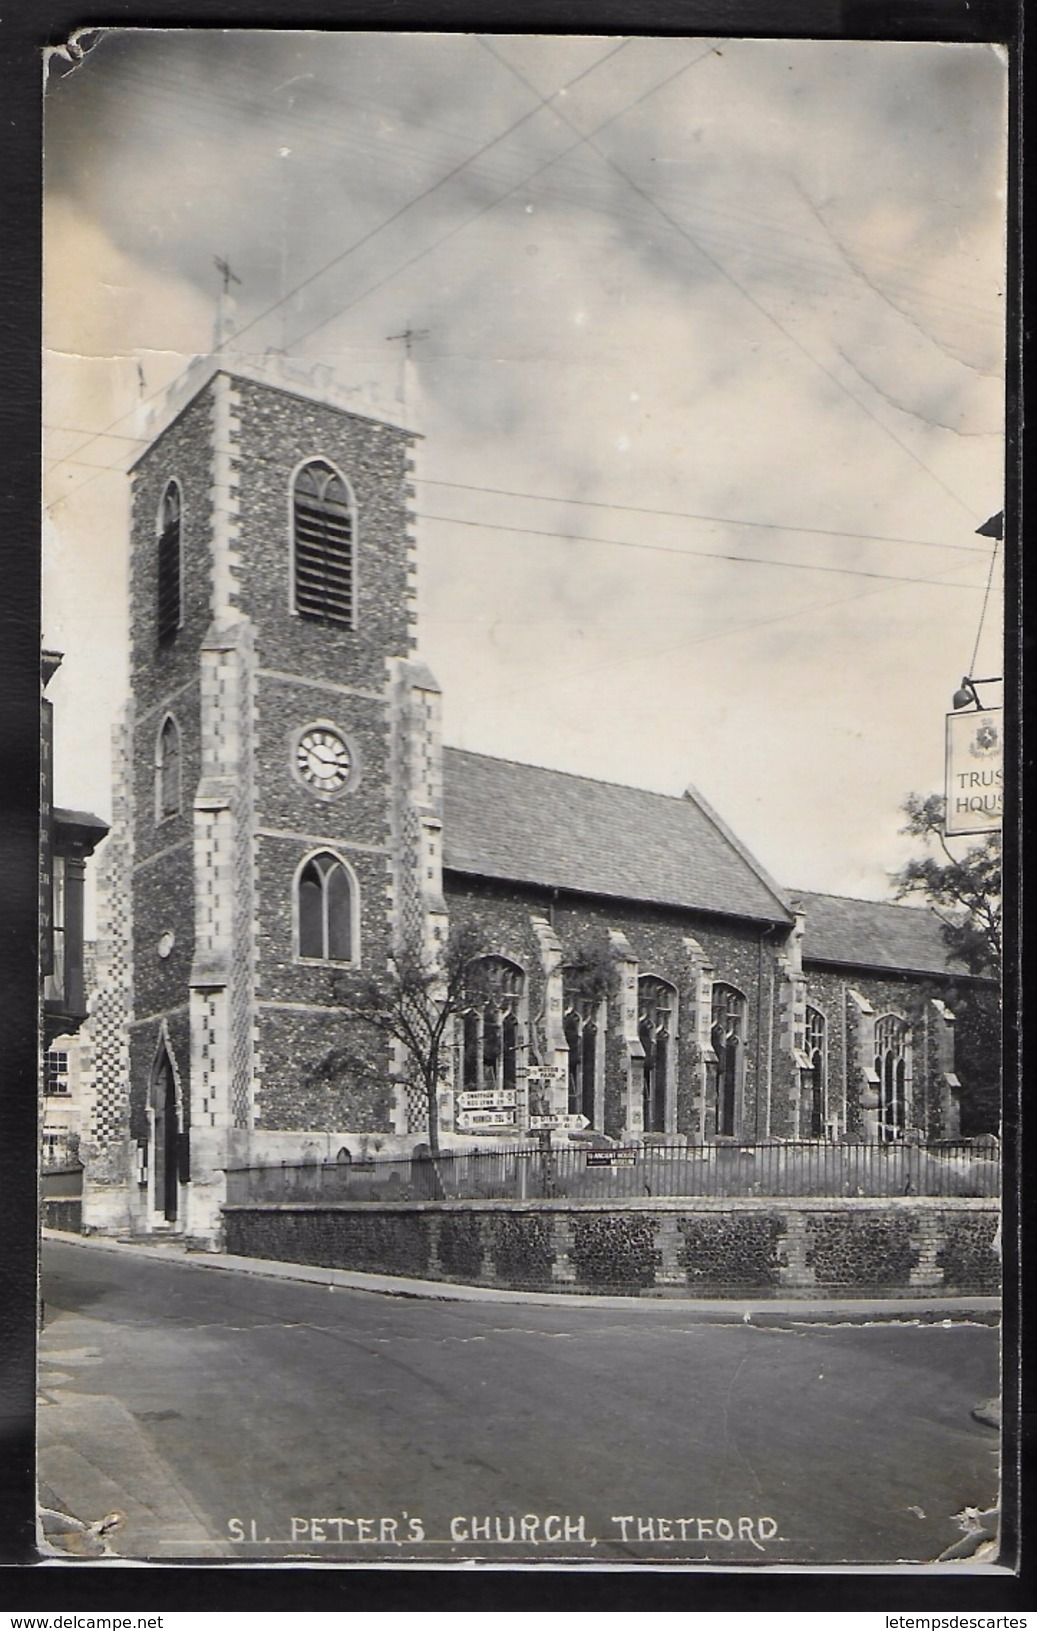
[323,529]
[813,1123]
[581,1033]
[656,1003]
[489,1029]
[56,1071]
[170,565]
[892,1039]
[326,910]
[728,1041]
[167,770]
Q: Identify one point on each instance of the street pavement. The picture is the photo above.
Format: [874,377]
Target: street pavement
[288,1413]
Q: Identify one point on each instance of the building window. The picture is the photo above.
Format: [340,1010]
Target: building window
[170,565]
[656,1004]
[489,1033]
[892,1041]
[323,536]
[167,770]
[326,910]
[813,1122]
[55,1078]
[582,1034]
[55,1144]
[727,1037]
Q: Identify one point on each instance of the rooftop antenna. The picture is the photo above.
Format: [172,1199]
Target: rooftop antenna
[226,305]
[408,337]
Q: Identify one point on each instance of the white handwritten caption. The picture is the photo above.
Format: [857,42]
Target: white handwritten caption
[495,1529]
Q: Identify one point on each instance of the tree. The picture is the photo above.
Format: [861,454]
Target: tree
[965,893]
[413,1001]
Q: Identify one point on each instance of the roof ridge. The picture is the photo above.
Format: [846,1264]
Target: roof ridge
[859,900]
[693,795]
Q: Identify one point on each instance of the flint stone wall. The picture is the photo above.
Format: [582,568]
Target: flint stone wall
[760,1247]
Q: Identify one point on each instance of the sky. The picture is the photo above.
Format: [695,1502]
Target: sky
[707,357]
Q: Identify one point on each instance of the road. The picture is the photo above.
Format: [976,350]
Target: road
[265,1418]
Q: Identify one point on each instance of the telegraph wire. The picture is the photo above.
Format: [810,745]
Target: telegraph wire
[496,202]
[718,266]
[695,554]
[691,515]
[336,260]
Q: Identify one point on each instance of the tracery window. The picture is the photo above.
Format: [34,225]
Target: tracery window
[489,1033]
[581,1033]
[170,565]
[168,777]
[892,1040]
[727,1037]
[323,539]
[813,1125]
[656,1005]
[325,910]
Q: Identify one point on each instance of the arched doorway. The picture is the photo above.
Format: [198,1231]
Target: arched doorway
[166,1124]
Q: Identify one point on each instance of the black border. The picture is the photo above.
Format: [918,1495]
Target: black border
[85,1587]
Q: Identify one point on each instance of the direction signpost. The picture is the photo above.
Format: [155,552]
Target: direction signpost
[559,1123]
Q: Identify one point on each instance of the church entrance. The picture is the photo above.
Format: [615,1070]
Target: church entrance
[166,1140]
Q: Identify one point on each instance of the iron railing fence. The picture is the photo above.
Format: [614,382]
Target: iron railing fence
[586,1172]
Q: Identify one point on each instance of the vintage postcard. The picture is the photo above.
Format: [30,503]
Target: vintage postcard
[523,692]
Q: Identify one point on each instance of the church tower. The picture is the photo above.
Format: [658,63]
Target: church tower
[284,796]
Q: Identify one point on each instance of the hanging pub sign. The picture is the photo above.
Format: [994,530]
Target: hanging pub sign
[975,772]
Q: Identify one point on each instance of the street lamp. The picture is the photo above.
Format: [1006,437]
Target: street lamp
[967,693]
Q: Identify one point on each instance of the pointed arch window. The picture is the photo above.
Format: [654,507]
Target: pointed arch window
[326,911]
[323,545]
[581,1022]
[813,1124]
[892,1047]
[656,1008]
[170,565]
[727,1037]
[168,770]
[489,1033]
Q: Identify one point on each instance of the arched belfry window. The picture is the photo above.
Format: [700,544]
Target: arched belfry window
[323,545]
[892,1043]
[170,565]
[812,1123]
[326,915]
[168,770]
[727,1037]
[656,1005]
[489,1033]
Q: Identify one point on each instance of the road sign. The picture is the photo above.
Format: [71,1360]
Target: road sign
[470,1119]
[546,1073]
[540,1124]
[489,1099]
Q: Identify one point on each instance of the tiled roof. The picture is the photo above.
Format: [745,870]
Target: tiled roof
[532,825]
[873,934]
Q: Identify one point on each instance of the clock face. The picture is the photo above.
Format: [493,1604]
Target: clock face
[323,760]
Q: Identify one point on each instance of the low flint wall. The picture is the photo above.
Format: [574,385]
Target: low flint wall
[694,1248]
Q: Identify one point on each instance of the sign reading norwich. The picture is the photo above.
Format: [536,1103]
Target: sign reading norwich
[975,772]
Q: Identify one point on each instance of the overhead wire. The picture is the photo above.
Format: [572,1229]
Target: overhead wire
[691,554]
[388,221]
[749,297]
